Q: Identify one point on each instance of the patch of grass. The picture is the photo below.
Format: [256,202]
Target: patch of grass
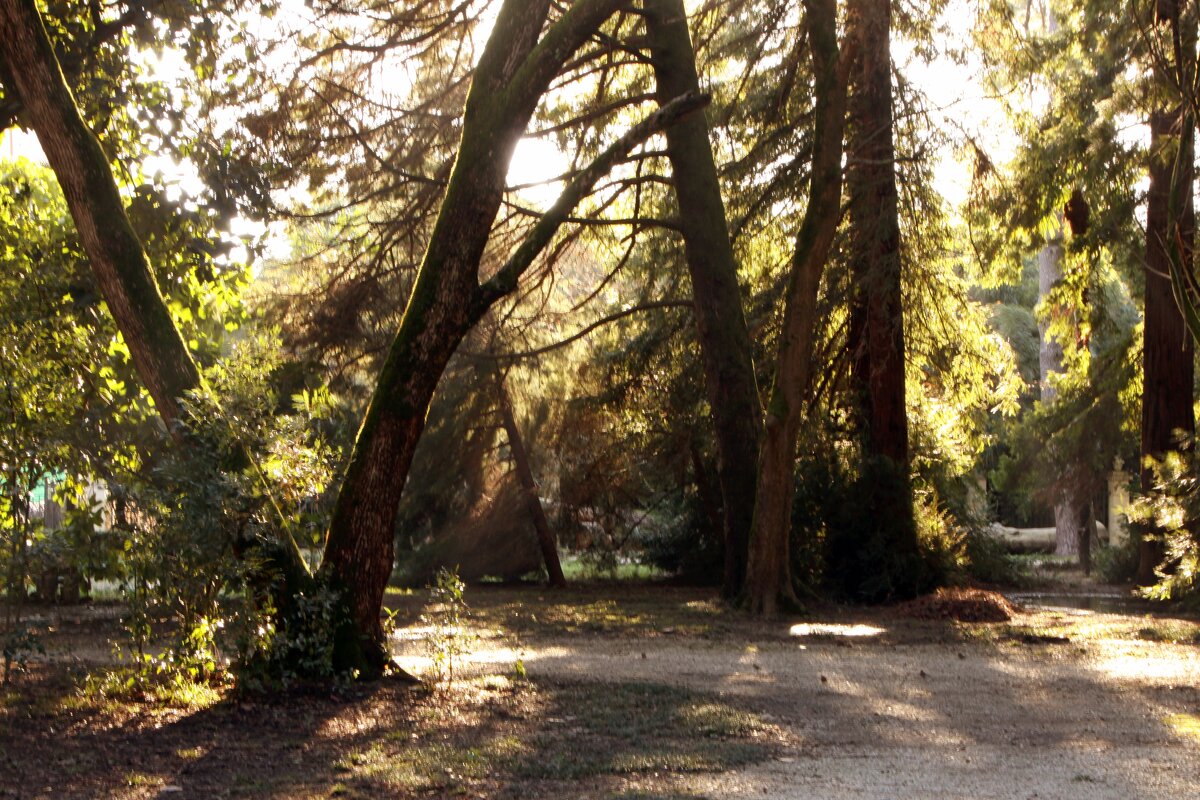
[640,795]
[136,779]
[110,688]
[190,753]
[1171,631]
[423,766]
[536,732]
[580,569]
[637,728]
[1185,725]
[1051,627]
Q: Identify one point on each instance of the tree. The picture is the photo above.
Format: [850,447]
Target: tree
[876,333]
[115,252]
[514,71]
[769,575]
[720,322]
[1168,350]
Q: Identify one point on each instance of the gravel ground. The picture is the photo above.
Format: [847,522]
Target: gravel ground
[872,717]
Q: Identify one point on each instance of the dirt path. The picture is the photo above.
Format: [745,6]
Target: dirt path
[887,717]
[647,693]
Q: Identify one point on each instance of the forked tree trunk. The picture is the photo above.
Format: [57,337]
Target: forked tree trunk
[768,577]
[524,470]
[1167,360]
[721,325]
[115,253]
[447,300]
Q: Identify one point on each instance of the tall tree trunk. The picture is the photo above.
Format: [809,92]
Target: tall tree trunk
[524,470]
[1167,360]
[721,325]
[768,577]
[876,330]
[114,251]
[1068,509]
[875,228]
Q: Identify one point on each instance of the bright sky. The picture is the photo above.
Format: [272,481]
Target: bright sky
[955,93]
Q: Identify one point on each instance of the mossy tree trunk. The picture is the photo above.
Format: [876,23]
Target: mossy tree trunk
[1070,502]
[768,578]
[115,254]
[721,325]
[878,345]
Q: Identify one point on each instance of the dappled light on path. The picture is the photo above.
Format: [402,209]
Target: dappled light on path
[828,629]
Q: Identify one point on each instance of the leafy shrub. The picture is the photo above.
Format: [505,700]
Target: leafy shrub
[449,641]
[1118,564]
[988,561]
[204,532]
[1170,511]
[686,546]
[873,552]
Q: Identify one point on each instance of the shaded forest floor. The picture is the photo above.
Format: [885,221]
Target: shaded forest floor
[647,691]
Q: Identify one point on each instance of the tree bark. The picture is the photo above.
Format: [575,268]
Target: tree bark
[114,251]
[878,343]
[720,322]
[524,470]
[1168,351]
[886,564]
[878,333]
[768,578]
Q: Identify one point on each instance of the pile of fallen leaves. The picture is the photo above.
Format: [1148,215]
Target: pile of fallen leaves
[961,604]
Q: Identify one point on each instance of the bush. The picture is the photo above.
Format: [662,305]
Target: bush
[1170,511]
[873,549]
[204,535]
[1118,564]
[686,546]
[988,561]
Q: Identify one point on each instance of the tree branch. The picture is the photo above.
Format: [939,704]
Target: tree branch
[505,279]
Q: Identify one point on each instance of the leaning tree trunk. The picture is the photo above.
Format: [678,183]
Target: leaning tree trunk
[115,253]
[721,325]
[1167,365]
[447,300]
[524,470]
[768,577]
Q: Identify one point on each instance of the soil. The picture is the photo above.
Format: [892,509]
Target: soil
[636,691]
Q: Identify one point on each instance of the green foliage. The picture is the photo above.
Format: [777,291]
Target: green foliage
[449,639]
[300,647]
[1117,564]
[688,546]
[19,644]
[1170,510]
[203,533]
[871,554]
